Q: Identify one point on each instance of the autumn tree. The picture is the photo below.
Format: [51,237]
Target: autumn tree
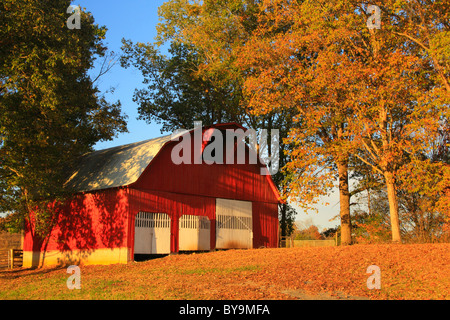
[261,43]
[398,114]
[182,88]
[358,91]
[50,110]
[311,233]
[371,95]
[427,28]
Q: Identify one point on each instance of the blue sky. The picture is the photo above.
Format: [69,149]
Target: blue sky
[136,20]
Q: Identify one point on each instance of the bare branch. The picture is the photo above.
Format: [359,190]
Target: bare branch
[109,61]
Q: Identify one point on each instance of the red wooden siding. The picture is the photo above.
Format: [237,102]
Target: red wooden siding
[193,188]
[87,222]
[231,181]
[265,225]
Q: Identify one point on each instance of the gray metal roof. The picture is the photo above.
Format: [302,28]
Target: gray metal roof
[114,167]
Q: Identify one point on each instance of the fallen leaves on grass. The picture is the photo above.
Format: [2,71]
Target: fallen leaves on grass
[419,271]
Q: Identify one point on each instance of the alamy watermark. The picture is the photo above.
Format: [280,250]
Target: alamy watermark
[374,281]
[232,146]
[74,21]
[74,281]
[374,21]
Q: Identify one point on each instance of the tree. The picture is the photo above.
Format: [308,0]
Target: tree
[260,44]
[287,219]
[423,200]
[293,61]
[330,233]
[50,110]
[425,26]
[398,114]
[421,217]
[355,94]
[181,89]
[425,29]
[307,231]
[221,31]
[358,92]
[371,222]
[174,95]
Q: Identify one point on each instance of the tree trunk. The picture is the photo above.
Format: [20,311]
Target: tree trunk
[393,207]
[283,219]
[344,202]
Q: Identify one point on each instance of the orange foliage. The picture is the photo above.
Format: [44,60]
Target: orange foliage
[310,233]
[419,271]
[369,93]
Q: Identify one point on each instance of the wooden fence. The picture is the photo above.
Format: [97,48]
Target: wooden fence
[11,258]
[10,241]
[288,242]
[15,258]
[4,259]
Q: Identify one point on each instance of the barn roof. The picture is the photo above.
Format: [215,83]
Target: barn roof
[114,167]
[123,165]
[119,166]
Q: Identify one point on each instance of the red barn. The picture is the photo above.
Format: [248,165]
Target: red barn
[134,200]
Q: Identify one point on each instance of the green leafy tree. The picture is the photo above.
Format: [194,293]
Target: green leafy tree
[50,110]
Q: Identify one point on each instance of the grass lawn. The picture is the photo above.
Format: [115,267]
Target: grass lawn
[419,271]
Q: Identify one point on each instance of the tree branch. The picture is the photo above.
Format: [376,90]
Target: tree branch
[369,164]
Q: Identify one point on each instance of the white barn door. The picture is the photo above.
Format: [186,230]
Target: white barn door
[194,233]
[152,233]
[234,224]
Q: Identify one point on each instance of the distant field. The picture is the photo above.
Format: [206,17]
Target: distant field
[419,271]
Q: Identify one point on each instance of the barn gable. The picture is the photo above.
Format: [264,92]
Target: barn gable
[124,165]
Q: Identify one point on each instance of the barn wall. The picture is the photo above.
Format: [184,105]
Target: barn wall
[265,225]
[90,228]
[265,215]
[175,205]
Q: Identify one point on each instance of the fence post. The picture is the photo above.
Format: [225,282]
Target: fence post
[14,254]
[11,258]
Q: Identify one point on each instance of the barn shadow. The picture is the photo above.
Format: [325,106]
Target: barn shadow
[26,272]
[94,221]
[146,257]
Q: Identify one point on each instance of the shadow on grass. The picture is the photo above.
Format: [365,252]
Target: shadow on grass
[25,272]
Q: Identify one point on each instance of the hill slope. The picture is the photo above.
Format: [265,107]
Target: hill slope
[419,271]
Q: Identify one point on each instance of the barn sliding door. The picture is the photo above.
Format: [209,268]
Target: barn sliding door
[152,233]
[194,233]
[234,224]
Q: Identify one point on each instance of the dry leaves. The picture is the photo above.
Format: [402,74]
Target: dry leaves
[407,272]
